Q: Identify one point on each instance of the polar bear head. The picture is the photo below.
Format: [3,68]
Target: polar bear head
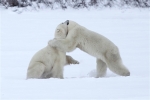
[62,30]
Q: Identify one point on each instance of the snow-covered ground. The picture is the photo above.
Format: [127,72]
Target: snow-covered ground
[24,34]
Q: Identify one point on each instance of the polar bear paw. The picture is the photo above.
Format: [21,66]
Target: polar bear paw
[70,60]
[55,43]
[75,62]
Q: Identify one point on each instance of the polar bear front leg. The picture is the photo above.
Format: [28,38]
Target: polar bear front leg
[70,60]
[57,71]
[65,45]
[101,68]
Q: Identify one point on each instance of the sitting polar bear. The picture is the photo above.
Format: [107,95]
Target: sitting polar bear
[49,62]
[96,45]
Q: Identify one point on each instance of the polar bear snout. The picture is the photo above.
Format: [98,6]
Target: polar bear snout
[67,22]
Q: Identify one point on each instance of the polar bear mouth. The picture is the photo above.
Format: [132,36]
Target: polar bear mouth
[67,31]
[67,21]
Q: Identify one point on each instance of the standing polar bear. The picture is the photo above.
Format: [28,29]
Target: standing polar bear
[49,61]
[106,52]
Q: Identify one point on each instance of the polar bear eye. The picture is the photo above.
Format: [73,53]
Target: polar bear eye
[58,30]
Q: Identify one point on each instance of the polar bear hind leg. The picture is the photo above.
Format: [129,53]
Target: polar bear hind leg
[36,70]
[101,68]
[114,63]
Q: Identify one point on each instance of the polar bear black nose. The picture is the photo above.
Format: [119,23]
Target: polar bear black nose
[67,22]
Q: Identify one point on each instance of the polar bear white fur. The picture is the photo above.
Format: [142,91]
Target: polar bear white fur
[105,51]
[49,61]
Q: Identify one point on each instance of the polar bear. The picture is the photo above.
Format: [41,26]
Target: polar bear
[49,61]
[105,51]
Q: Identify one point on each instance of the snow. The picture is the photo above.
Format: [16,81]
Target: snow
[23,34]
